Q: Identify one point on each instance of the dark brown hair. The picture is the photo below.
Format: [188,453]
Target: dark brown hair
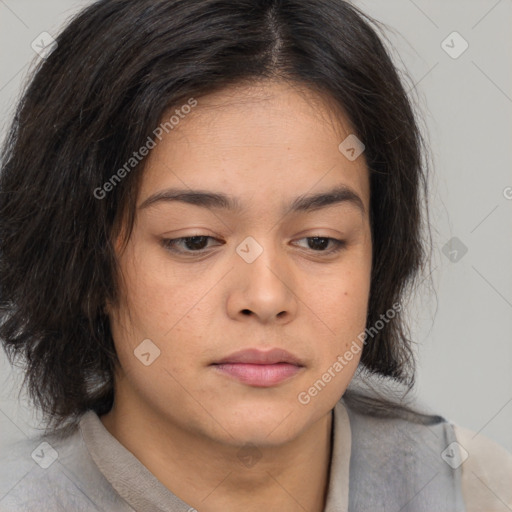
[118,66]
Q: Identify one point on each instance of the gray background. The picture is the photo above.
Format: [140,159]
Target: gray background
[463,331]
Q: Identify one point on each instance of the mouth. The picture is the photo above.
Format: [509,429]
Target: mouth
[260,369]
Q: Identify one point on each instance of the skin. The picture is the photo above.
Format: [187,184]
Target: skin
[264,144]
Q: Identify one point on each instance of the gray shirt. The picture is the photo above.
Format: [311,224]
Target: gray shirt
[377,464]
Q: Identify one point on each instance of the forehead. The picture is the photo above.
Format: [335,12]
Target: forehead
[270,137]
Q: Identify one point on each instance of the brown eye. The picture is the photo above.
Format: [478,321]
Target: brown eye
[321,244]
[188,244]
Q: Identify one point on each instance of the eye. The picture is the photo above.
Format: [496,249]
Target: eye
[321,243]
[192,244]
[199,243]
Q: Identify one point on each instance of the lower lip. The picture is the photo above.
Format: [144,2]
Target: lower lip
[260,375]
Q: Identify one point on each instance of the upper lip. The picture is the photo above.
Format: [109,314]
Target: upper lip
[257,356]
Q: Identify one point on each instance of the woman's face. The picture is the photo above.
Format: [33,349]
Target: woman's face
[254,278]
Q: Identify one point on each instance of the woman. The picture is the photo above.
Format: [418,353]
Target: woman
[208,296]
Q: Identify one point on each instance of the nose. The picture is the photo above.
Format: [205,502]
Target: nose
[264,288]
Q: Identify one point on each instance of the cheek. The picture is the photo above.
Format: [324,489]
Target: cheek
[347,321]
[165,309]
[157,297]
[344,296]
[343,306]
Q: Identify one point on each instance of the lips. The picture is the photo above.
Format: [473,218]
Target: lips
[255,356]
[260,369]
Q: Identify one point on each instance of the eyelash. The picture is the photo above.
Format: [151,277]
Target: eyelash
[170,243]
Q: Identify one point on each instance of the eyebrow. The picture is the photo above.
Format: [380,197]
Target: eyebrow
[214,200]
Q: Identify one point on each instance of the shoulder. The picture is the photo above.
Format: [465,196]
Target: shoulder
[31,474]
[402,435]
[486,472]
[397,459]
[414,444]
[53,473]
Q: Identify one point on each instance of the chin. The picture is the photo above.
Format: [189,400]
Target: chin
[270,426]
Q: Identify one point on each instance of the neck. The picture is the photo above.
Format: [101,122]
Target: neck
[212,477]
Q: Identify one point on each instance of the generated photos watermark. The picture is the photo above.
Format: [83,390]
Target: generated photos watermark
[304,397]
[138,156]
